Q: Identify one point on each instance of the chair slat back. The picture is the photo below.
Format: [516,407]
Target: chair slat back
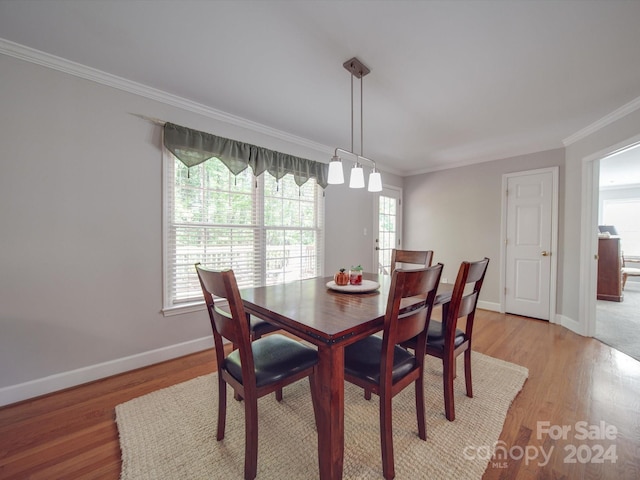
[477,271]
[467,304]
[423,258]
[228,318]
[398,327]
[461,304]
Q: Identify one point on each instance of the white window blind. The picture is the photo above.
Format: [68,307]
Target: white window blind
[267,231]
[624,214]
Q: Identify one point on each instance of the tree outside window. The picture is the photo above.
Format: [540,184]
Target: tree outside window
[268,231]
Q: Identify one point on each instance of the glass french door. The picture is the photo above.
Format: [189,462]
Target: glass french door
[388,220]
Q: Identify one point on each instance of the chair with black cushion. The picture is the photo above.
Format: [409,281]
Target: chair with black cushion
[255,368]
[419,258]
[257,329]
[380,365]
[407,258]
[445,340]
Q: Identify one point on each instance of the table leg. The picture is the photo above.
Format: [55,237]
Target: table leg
[329,389]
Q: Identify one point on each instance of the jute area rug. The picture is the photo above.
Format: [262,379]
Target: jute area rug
[170,433]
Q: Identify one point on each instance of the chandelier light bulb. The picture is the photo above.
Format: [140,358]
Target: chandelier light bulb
[336,174]
[357,177]
[375,181]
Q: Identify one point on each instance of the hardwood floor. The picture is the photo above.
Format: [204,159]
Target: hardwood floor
[72,434]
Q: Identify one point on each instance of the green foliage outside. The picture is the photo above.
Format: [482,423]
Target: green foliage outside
[267,234]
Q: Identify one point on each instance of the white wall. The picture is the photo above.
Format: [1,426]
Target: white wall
[457,213]
[349,214]
[80,225]
[80,220]
[617,193]
[579,156]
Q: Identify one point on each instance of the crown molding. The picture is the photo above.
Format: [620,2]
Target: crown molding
[479,159]
[60,64]
[621,112]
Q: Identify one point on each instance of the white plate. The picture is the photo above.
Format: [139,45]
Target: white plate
[367,286]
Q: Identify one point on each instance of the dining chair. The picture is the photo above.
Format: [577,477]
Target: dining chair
[628,272]
[380,365]
[445,340]
[415,258]
[255,368]
[257,329]
[423,258]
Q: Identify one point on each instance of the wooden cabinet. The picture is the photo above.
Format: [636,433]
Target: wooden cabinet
[609,273]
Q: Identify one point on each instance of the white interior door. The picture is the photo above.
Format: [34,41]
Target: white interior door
[531,199]
[388,227]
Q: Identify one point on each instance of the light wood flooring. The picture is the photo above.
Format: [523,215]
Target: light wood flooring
[72,434]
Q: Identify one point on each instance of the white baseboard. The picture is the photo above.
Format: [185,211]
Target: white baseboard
[571,324]
[494,307]
[59,381]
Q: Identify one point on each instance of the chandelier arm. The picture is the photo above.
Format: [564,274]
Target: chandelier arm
[357,69]
[358,157]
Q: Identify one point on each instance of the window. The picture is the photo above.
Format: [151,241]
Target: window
[624,215]
[387,229]
[267,231]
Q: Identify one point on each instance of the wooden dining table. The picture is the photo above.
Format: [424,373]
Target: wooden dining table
[330,320]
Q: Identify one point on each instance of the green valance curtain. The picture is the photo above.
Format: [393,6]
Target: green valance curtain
[192,148]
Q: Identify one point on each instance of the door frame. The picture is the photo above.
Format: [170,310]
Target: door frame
[553,280]
[589,234]
[376,212]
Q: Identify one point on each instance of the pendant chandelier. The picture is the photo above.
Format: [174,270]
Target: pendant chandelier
[336,174]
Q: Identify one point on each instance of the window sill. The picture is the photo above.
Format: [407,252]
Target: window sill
[184,308]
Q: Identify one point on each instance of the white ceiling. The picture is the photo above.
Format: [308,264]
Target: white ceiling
[451,82]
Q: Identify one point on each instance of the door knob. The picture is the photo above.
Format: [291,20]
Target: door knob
[545,253]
